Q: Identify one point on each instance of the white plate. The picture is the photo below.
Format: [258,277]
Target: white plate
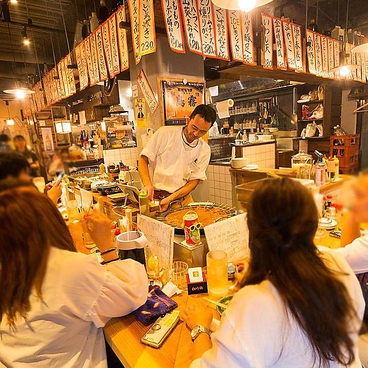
[329,225]
[250,167]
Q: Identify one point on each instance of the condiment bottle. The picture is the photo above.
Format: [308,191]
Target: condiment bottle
[143,203]
[319,170]
[337,164]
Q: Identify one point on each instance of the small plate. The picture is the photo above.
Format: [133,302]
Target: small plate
[226,300]
[250,167]
[329,225]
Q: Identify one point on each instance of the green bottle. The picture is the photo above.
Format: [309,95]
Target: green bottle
[143,203]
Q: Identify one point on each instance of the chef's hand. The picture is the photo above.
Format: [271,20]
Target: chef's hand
[164,204]
[197,314]
[150,190]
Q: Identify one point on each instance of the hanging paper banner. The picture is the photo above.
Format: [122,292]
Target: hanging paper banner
[147,32]
[221,33]
[357,73]
[336,53]
[331,64]
[147,91]
[123,41]
[289,43]
[174,27]
[189,11]
[297,36]
[267,50]
[311,55]
[364,68]
[235,31]
[54,85]
[87,49]
[279,40]
[61,80]
[324,46]
[134,21]
[95,58]
[114,45]
[318,50]
[84,66]
[72,88]
[107,47]
[46,87]
[206,24]
[248,38]
[100,56]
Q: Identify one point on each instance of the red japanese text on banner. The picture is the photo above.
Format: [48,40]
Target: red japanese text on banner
[207,27]
[134,21]
[248,38]
[324,45]
[336,53]
[72,88]
[267,49]
[107,47]
[101,61]
[331,64]
[311,55]
[147,91]
[235,32]
[147,32]
[279,40]
[298,47]
[114,45]
[289,44]
[189,11]
[318,50]
[123,41]
[221,33]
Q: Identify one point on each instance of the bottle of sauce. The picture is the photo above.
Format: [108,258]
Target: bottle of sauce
[319,170]
[143,203]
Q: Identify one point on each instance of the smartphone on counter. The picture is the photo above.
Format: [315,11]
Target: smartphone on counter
[58,179]
[161,329]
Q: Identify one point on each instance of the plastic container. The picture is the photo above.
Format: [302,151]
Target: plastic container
[143,203]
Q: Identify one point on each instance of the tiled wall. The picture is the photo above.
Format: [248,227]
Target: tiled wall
[129,156]
[219,183]
[262,155]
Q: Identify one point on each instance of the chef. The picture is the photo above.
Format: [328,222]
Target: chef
[176,158]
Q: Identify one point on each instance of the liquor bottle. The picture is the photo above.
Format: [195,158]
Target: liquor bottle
[313,25]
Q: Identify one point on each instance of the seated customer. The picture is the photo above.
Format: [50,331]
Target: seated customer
[54,301]
[297,307]
[14,165]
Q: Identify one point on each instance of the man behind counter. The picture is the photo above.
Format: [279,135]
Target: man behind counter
[176,158]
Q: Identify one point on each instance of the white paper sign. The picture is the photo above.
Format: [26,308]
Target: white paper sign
[279,40]
[206,22]
[289,42]
[160,238]
[221,33]
[310,52]
[248,39]
[134,21]
[236,43]
[297,34]
[267,49]
[123,41]
[331,64]
[191,25]
[147,32]
[230,235]
[318,50]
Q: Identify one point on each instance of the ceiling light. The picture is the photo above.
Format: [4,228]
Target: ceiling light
[13,2]
[9,122]
[243,5]
[19,92]
[26,41]
[345,70]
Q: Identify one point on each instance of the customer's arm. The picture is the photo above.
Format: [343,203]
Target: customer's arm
[145,177]
[350,230]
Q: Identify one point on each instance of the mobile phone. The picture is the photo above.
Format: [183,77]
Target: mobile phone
[336,233]
[58,179]
[160,330]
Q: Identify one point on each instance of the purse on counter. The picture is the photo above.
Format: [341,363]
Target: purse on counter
[157,304]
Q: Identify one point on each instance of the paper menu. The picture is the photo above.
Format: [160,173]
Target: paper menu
[230,235]
[160,238]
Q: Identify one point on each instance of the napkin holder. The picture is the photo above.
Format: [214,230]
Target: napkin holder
[196,281]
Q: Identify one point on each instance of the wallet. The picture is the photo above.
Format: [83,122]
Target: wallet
[157,304]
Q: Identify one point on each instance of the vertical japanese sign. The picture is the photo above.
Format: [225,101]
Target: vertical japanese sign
[140,112]
[207,27]
[174,27]
[189,11]
[235,35]
[331,64]
[221,33]
[134,21]
[114,45]
[318,50]
[279,40]
[98,59]
[71,80]
[147,32]
[311,55]
[336,53]
[267,50]
[123,40]
[325,64]
[289,43]
[87,48]
[82,66]
[147,91]
[248,38]
[107,47]
[297,34]
[61,79]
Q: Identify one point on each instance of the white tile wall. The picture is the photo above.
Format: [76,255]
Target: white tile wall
[128,155]
[219,183]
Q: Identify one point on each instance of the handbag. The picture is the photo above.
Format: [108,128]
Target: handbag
[157,304]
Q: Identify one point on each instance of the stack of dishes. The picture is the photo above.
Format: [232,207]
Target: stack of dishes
[327,223]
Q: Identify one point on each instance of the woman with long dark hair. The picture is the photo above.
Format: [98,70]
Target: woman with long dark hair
[297,307]
[55,301]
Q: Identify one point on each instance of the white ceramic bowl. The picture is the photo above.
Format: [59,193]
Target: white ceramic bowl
[238,162]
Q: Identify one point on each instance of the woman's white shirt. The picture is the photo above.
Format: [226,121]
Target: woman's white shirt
[79,297]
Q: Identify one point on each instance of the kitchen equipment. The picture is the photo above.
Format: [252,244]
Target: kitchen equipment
[131,244]
[238,162]
[301,163]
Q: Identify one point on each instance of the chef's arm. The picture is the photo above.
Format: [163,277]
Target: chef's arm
[180,193]
[350,229]
[145,177]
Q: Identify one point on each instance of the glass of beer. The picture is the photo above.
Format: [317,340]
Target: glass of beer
[217,273]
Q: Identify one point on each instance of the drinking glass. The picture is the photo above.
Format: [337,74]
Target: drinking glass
[178,274]
[72,209]
[88,242]
[217,273]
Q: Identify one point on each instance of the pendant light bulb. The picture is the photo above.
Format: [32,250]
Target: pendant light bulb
[344,71]
[13,2]
[20,94]
[247,5]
